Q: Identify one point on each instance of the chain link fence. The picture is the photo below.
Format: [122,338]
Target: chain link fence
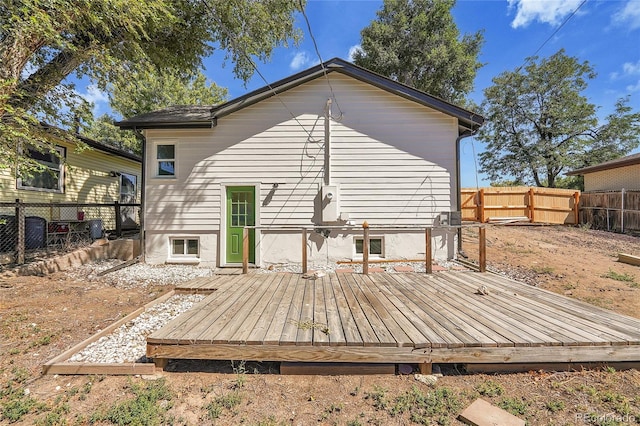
[30,231]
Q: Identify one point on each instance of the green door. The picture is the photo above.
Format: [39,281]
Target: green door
[241,212]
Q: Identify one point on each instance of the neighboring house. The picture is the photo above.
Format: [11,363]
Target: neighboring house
[96,175]
[614,175]
[337,146]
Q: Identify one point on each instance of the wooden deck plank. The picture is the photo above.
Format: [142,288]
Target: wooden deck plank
[334,324]
[369,289]
[512,313]
[292,322]
[351,334]
[437,336]
[365,329]
[258,332]
[172,331]
[457,309]
[576,330]
[321,329]
[250,322]
[218,311]
[397,311]
[274,331]
[367,304]
[305,327]
[252,301]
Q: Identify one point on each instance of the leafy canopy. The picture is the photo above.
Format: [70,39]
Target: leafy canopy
[417,43]
[540,125]
[42,42]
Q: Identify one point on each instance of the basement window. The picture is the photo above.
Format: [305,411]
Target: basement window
[185,249]
[376,247]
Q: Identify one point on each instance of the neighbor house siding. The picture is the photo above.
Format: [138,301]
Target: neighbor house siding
[392,158]
[627,177]
[86,179]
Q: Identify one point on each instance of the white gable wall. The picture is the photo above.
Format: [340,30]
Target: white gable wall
[393,160]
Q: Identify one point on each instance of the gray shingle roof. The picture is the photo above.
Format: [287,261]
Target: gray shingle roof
[206,116]
[629,160]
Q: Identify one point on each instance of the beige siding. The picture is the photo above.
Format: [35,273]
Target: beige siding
[613,179]
[86,179]
[393,159]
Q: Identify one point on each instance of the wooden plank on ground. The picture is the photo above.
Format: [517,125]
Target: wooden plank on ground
[629,259]
[125,369]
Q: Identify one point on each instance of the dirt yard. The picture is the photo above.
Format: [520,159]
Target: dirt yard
[40,317]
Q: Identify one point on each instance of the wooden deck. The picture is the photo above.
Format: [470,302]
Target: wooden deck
[391,318]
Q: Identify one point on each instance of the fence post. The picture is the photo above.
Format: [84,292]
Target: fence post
[245,250]
[365,248]
[480,205]
[427,248]
[482,237]
[576,207]
[21,232]
[117,208]
[622,211]
[532,206]
[304,250]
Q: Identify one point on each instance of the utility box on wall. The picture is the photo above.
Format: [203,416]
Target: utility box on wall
[330,205]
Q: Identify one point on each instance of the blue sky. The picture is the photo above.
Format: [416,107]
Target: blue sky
[604,32]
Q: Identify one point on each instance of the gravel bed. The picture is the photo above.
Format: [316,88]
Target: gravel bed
[357,268]
[128,342]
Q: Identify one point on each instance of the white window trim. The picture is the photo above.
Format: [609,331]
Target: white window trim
[371,256]
[156,162]
[63,153]
[183,258]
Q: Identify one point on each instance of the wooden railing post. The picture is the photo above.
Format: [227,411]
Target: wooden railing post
[576,207]
[532,206]
[21,232]
[428,267]
[245,250]
[482,237]
[480,205]
[304,250]
[365,248]
[118,212]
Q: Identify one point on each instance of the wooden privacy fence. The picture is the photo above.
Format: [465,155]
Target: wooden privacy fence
[428,259]
[541,205]
[611,210]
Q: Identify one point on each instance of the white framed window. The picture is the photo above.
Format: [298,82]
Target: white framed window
[50,178]
[184,248]
[165,160]
[376,246]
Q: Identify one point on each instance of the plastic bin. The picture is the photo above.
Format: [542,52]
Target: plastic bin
[35,229]
[95,228]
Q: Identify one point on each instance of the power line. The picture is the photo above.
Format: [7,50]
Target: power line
[324,69]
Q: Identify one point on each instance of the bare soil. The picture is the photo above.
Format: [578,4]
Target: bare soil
[40,317]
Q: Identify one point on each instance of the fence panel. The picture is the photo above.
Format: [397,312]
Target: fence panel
[617,211]
[542,205]
[28,230]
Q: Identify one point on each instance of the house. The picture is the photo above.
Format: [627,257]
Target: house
[329,148]
[98,174]
[614,175]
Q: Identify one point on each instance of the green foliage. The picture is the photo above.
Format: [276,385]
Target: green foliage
[148,407]
[540,125]
[555,406]
[15,403]
[515,406]
[490,388]
[45,41]
[436,405]
[229,401]
[619,277]
[418,43]
[378,397]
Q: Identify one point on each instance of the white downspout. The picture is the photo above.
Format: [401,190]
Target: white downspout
[327,143]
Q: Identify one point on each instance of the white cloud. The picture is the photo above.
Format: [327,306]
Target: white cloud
[550,12]
[95,96]
[629,15]
[630,68]
[299,61]
[352,51]
[634,88]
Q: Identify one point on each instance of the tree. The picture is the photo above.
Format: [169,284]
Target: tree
[141,88]
[416,42]
[44,41]
[539,124]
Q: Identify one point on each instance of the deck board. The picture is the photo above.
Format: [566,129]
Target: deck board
[391,318]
